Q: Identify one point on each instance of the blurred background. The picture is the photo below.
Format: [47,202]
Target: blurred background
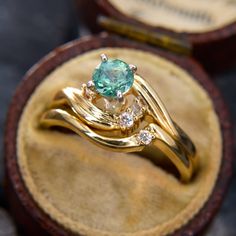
[30,29]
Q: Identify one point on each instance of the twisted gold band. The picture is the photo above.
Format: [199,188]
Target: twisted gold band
[74,109]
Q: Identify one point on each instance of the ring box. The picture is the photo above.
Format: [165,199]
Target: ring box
[60,184]
[209,27]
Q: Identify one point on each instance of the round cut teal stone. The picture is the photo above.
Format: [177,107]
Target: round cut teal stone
[112,76]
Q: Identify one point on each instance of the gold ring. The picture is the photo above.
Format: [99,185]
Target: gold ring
[119,111]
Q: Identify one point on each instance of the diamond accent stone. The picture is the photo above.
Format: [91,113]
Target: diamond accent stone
[126,120]
[113,106]
[137,109]
[145,137]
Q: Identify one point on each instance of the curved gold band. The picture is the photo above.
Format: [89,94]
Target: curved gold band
[71,109]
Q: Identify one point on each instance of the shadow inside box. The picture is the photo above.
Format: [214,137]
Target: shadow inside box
[159,159]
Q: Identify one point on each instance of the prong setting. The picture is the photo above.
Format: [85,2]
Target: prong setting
[133,68]
[90,85]
[104,57]
[120,96]
[88,90]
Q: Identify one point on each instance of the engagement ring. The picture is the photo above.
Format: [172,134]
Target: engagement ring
[118,110]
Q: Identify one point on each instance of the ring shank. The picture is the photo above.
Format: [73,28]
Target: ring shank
[184,163]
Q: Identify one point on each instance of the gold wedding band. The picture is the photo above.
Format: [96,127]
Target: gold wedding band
[119,111]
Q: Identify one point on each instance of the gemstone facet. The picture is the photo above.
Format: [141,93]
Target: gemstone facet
[145,137]
[111,77]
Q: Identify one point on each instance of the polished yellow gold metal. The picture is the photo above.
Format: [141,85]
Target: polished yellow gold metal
[77,110]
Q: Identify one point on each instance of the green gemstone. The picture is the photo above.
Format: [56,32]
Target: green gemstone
[112,76]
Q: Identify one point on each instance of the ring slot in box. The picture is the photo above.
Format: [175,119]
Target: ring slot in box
[208,26]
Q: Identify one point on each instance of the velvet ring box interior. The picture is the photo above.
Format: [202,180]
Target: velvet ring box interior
[60,184]
[209,26]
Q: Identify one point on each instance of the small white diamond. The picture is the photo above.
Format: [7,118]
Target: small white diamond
[136,109]
[145,137]
[126,120]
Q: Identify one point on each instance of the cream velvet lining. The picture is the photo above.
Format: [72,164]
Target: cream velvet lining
[96,192]
[192,16]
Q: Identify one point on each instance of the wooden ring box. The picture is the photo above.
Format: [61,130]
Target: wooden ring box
[211,33]
[59,184]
